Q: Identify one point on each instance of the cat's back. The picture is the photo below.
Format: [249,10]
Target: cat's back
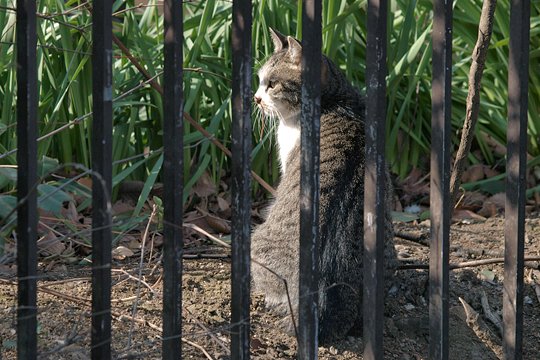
[341,154]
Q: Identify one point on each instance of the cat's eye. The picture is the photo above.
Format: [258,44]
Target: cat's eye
[271,84]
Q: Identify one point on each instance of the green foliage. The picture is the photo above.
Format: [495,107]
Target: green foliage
[409,70]
[64,63]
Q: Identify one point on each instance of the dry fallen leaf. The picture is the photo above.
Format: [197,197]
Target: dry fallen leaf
[473,173]
[219,225]
[85,181]
[134,243]
[471,200]
[461,214]
[257,344]
[415,184]
[205,186]
[71,213]
[496,147]
[50,245]
[122,207]
[493,205]
[122,252]
[223,204]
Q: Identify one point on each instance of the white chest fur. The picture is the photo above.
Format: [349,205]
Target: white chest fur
[287,136]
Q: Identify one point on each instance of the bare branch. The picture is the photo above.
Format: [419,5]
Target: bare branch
[473,98]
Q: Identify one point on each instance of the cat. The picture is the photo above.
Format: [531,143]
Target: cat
[275,243]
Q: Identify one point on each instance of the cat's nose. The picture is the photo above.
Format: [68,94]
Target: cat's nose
[257,99]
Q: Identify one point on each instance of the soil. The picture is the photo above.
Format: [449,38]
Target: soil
[64,305]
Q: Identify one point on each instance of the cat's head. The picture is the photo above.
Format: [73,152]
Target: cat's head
[280,85]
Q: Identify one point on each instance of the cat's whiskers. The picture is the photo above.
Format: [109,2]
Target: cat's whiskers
[274,118]
[260,121]
[264,114]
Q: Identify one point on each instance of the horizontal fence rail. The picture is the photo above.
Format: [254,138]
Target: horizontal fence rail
[375,177]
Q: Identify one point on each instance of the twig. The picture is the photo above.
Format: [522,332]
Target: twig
[490,315]
[65,296]
[472,315]
[141,263]
[465,264]
[487,262]
[158,263]
[59,282]
[286,285]
[475,322]
[485,28]
[421,239]
[210,333]
[158,328]
[206,256]
[198,347]
[206,233]
[469,252]
[138,280]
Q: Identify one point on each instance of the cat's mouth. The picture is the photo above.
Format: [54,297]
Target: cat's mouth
[262,110]
[266,116]
[260,105]
[265,111]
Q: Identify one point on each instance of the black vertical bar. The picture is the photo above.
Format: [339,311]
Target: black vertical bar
[518,73]
[173,109]
[374,192]
[440,179]
[27,94]
[308,324]
[241,179]
[102,178]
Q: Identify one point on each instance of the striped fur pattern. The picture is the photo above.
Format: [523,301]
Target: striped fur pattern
[275,243]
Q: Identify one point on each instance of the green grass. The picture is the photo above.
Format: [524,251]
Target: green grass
[64,63]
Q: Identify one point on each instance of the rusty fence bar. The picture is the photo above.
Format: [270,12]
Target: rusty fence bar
[374,186]
[309,180]
[440,179]
[27,215]
[102,178]
[173,180]
[514,232]
[241,178]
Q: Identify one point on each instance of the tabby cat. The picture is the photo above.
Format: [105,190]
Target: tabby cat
[275,243]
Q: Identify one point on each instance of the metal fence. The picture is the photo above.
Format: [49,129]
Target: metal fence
[27,97]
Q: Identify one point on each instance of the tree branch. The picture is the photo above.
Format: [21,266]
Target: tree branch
[473,98]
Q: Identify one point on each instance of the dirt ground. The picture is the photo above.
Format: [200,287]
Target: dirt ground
[64,305]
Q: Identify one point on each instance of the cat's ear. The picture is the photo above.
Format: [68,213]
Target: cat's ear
[279,40]
[295,49]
